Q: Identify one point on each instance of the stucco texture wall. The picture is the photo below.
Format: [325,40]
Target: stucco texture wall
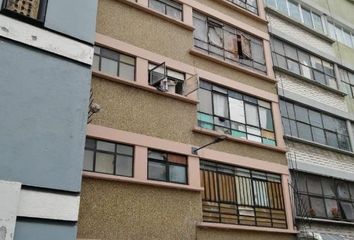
[125,211]
[141,29]
[130,109]
[212,234]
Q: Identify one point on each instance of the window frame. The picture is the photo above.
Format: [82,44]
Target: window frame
[39,21]
[99,67]
[166,4]
[115,153]
[285,118]
[229,94]
[349,83]
[334,183]
[229,32]
[246,6]
[343,30]
[167,165]
[329,80]
[242,189]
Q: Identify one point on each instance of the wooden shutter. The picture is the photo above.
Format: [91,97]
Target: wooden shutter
[27,8]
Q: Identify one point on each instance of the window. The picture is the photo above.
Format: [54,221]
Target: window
[166,79]
[250,5]
[30,10]
[108,157]
[234,195]
[347,79]
[228,43]
[341,34]
[236,114]
[167,7]
[114,63]
[298,12]
[302,63]
[323,197]
[167,167]
[312,125]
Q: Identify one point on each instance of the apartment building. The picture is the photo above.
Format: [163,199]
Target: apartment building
[312,50]
[45,75]
[188,143]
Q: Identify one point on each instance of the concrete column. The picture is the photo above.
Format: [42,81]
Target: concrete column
[140,163]
[187,14]
[142,71]
[278,127]
[193,172]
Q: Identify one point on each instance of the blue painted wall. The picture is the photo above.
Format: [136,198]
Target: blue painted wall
[43,115]
[76,18]
[44,230]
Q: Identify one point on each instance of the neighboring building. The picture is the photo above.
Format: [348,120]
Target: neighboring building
[313,56]
[46,50]
[169,76]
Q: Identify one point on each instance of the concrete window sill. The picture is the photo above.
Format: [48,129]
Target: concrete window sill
[238,67]
[239,140]
[108,177]
[148,88]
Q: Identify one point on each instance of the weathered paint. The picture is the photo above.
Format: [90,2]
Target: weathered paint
[36,37]
[75,18]
[43,117]
[10,195]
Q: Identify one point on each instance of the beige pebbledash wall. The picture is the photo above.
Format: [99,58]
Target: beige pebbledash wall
[130,109]
[125,211]
[128,24]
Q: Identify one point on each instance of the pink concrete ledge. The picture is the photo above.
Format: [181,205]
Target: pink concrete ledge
[108,177]
[245,228]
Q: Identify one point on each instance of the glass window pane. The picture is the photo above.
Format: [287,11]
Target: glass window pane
[200,31]
[266,118]
[124,149]
[157,5]
[304,58]
[252,115]
[315,118]
[329,122]
[306,14]
[294,10]
[318,135]
[343,190]
[314,184]
[317,21]
[348,210]
[90,143]
[328,68]
[109,66]
[347,38]
[302,205]
[304,131]
[300,181]
[124,166]
[106,146]
[271,3]
[106,53]
[319,77]
[157,155]
[316,63]
[331,30]
[290,52]
[175,13]
[157,171]
[280,61]
[104,163]
[343,142]
[328,187]
[301,114]
[293,128]
[178,174]
[127,59]
[282,6]
[286,126]
[237,111]
[339,33]
[221,107]
[278,46]
[318,208]
[332,208]
[205,104]
[88,160]
[351,188]
[126,71]
[293,66]
[306,72]
[332,139]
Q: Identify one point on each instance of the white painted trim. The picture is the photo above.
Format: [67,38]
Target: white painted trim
[10,194]
[48,41]
[56,206]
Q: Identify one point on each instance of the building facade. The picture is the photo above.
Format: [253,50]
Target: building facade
[171,77]
[45,74]
[312,51]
